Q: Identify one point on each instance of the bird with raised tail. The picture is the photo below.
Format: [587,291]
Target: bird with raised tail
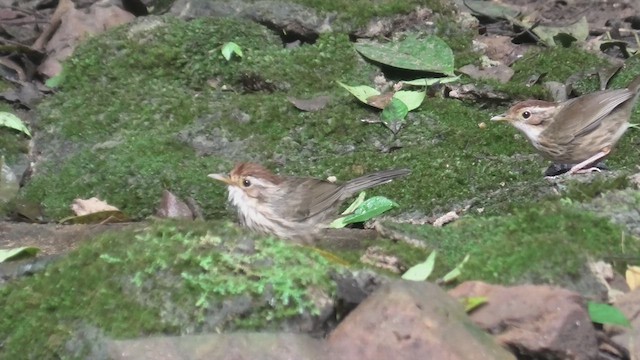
[579,131]
[292,207]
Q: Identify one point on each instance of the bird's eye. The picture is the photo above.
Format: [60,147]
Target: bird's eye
[246,183]
[526,115]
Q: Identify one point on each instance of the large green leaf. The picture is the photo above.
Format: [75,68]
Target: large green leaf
[606,314]
[430,54]
[369,209]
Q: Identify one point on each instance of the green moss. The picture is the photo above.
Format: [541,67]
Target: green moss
[557,63]
[542,243]
[359,12]
[581,191]
[169,279]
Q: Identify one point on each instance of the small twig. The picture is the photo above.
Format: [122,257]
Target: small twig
[56,19]
[396,235]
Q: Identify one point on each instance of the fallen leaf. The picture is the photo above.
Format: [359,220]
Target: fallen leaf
[12,121]
[421,271]
[632,276]
[89,206]
[380,101]
[310,105]
[429,54]
[17,253]
[445,219]
[173,208]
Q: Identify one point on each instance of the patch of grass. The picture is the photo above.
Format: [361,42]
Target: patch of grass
[169,278]
[540,243]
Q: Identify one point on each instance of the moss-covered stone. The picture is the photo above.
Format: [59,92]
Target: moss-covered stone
[168,278]
[543,243]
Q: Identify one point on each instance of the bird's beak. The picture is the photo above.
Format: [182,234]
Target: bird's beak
[502,117]
[221,177]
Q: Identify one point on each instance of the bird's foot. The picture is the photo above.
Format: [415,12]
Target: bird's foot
[555,170]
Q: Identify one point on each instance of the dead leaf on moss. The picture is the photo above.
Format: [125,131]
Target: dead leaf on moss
[94,211]
[89,206]
[173,207]
[310,105]
[380,101]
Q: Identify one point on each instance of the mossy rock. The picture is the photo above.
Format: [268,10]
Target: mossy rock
[168,278]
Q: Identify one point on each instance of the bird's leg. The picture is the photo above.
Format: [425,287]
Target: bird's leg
[580,168]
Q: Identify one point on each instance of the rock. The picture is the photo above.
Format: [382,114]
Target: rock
[238,346]
[541,322]
[411,320]
[629,304]
[291,18]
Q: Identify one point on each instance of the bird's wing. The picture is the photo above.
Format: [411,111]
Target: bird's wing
[590,113]
[309,198]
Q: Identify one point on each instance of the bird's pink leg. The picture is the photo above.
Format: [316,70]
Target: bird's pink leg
[579,168]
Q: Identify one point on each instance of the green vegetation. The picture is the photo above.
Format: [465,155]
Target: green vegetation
[544,243]
[168,278]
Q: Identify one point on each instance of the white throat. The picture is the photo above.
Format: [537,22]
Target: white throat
[531,132]
[253,219]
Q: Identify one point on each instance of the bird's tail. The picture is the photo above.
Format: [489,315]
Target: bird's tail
[370,180]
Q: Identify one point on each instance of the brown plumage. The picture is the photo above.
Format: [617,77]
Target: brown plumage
[291,207]
[579,131]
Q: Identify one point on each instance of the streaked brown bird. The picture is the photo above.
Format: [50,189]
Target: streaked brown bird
[579,131]
[291,207]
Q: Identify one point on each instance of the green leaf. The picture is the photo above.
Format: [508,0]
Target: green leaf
[229,49]
[55,81]
[432,81]
[354,205]
[421,272]
[453,274]
[430,54]
[11,121]
[606,314]
[412,99]
[17,253]
[471,303]
[369,209]
[361,92]
[397,110]
[553,36]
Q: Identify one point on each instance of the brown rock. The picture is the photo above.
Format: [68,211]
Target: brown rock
[535,321]
[411,320]
[629,304]
[237,346]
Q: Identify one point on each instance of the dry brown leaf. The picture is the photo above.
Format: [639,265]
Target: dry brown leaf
[380,101]
[632,276]
[313,104]
[451,216]
[173,207]
[83,207]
